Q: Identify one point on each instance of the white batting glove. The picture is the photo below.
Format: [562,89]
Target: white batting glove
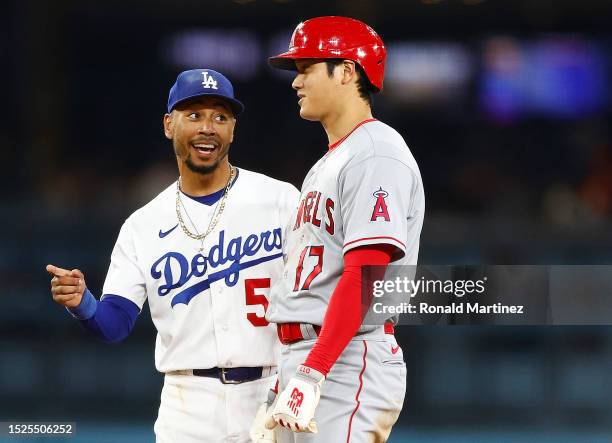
[295,407]
[259,433]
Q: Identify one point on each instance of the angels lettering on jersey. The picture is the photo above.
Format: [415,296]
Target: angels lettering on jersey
[316,211]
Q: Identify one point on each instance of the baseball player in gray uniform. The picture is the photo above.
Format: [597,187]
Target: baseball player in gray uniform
[361,204]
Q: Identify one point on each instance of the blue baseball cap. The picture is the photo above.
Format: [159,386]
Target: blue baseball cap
[203,82]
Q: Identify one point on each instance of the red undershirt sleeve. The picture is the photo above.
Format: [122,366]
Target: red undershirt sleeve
[344,313]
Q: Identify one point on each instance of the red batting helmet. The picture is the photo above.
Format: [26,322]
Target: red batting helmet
[336,37]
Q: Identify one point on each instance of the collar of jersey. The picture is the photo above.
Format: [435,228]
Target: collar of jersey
[335,145]
[213,198]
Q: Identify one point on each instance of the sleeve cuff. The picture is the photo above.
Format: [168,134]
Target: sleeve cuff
[365,241]
[310,374]
[86,309]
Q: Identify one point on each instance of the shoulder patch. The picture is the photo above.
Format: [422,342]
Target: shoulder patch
[380,207]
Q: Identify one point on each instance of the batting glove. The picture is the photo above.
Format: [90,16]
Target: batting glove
[259,433]
[296,405]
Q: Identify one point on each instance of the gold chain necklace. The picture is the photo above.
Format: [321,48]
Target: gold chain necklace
[213,220]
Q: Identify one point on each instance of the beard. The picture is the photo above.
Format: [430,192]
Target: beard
[204,169]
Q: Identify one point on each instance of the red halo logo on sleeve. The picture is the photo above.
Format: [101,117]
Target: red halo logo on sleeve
[380,207]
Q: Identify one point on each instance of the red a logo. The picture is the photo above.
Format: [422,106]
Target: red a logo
[380,207]
[295,401]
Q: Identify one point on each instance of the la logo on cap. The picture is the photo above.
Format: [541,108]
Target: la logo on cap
[208,81]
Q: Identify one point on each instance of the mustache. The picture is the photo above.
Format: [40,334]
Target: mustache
[208,140]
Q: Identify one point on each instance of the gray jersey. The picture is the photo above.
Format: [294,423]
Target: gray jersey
[365,190]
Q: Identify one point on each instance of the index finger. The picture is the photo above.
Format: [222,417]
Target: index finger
[56,271]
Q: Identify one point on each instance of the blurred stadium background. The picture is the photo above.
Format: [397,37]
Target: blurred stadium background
[506,105]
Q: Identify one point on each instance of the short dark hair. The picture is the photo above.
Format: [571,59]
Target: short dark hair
[364,87]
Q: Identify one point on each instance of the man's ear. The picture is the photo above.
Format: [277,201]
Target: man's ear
[348,71]
[168,126]
[232,139]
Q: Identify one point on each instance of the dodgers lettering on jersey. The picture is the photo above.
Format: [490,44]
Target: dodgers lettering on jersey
[216,257]
[366,190]
[208,305]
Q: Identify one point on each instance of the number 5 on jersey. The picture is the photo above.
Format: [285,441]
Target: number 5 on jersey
[313,251]
[254,299]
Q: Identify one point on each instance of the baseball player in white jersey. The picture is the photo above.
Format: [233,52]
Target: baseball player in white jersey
[361,204]
[204,253]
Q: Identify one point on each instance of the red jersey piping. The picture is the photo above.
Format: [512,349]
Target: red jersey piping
[335,145]
[374,238]
[365,353]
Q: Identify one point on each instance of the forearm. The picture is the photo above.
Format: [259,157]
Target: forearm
[110,320]
[346,308]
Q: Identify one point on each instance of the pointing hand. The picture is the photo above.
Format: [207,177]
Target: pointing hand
[67,286]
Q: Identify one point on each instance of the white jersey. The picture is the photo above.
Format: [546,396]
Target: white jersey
[365,190]
[208,306]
